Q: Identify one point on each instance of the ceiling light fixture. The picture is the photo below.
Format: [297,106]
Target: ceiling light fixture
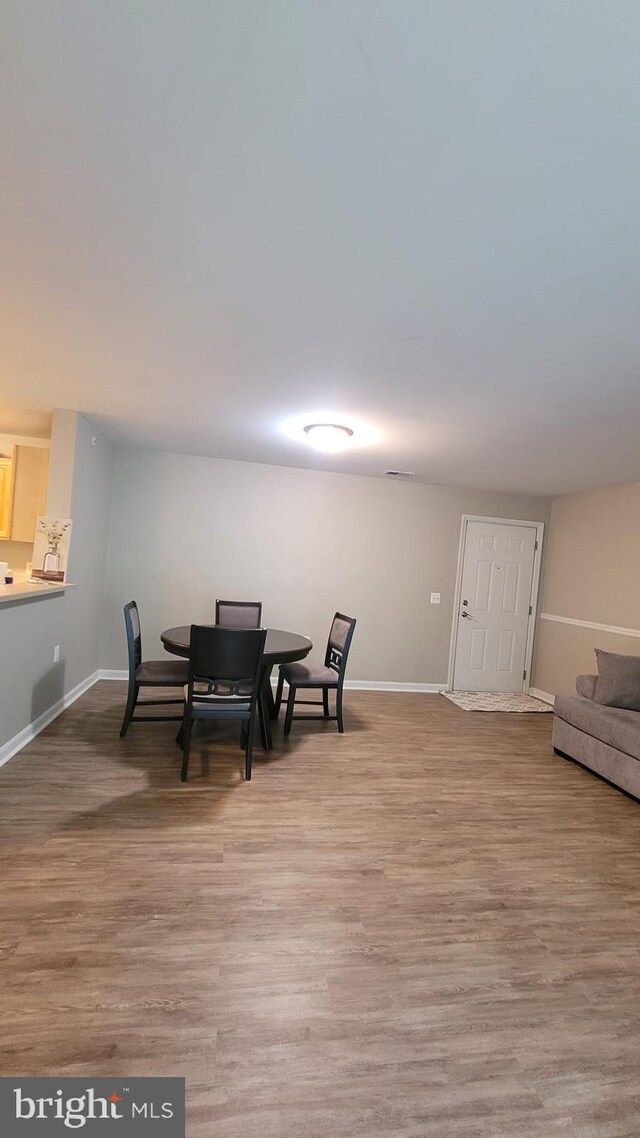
[329,437]
[314,425]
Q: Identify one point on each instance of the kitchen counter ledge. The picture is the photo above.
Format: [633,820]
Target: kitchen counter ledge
[23,590]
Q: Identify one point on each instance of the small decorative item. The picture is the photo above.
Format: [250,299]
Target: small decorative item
[8,577]
[51,549]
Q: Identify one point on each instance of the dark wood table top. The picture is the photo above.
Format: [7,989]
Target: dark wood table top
[280,647]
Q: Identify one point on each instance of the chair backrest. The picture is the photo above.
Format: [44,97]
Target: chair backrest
[239,614]
[134,636]
[339,643]
[227,660]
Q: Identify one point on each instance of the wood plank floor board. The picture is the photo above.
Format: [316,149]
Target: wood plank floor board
[426,928]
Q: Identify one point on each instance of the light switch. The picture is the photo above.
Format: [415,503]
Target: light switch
[435,598]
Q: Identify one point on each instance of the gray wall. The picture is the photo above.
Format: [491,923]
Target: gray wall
[31,682]
[186,530]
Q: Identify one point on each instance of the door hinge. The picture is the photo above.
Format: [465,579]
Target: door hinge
[530,610]
[524,674]
[536,545]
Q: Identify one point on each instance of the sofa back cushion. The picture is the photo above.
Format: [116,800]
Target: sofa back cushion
[586,686]
[618,680]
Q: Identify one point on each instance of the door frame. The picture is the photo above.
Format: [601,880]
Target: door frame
[533,600]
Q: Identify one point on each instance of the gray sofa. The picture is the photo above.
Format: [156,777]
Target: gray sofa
[605,739]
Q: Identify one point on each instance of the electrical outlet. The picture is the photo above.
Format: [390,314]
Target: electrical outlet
[56,654]
[435,598]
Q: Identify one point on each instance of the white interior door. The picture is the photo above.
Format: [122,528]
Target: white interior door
[493,610]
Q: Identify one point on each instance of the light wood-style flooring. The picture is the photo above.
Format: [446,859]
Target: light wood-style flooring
[426,928]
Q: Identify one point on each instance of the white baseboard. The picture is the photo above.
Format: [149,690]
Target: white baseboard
[9,749]
[350,685]
[391,685]
[545,696]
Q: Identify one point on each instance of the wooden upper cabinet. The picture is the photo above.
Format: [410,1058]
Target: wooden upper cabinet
[6,496]
[23,492]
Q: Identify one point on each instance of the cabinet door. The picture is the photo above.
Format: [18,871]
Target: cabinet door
[31,471]
[6,496]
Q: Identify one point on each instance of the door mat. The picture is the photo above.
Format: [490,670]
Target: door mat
[495,701]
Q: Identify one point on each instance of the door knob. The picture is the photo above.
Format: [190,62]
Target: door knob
[467,614]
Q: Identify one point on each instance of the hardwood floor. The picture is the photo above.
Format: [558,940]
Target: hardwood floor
[428,927]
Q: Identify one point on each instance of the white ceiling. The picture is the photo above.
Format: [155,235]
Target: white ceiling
[419,214]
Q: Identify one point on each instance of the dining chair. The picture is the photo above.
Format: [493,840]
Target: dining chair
[325,677]
[148,674]
[239,614]
[225,677]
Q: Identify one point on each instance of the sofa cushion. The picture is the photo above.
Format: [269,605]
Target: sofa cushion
[616,726]
[586,686]
[618,680]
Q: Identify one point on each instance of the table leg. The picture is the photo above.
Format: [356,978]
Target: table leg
[265,710]
[271,703]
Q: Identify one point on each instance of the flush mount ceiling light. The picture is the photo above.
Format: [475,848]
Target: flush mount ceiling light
[329,437]
[325,429]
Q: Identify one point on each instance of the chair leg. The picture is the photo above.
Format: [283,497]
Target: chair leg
[289,716]
[262,719]
[325,702]
[186,747]
[279,690]
[339,711]
[248,752]
[132,699]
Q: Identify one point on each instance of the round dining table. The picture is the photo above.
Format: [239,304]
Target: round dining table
[280,648]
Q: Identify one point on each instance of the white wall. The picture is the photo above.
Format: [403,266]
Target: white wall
[31,683]
[186,530]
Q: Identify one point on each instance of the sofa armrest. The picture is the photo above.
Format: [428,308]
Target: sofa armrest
[586,686]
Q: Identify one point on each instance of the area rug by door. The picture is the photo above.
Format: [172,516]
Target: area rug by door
[495,701]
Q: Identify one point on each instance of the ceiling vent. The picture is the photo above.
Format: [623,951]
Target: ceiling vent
[400,473]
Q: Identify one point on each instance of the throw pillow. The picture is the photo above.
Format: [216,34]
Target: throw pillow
[618,682]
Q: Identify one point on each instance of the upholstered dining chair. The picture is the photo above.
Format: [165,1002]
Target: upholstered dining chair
[239,614]
[324,677]
[225,675]
[148,674]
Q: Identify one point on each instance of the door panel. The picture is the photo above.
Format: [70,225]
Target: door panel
[506,641]
[482,590]
[510,587]
[493,617]
[477,649]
